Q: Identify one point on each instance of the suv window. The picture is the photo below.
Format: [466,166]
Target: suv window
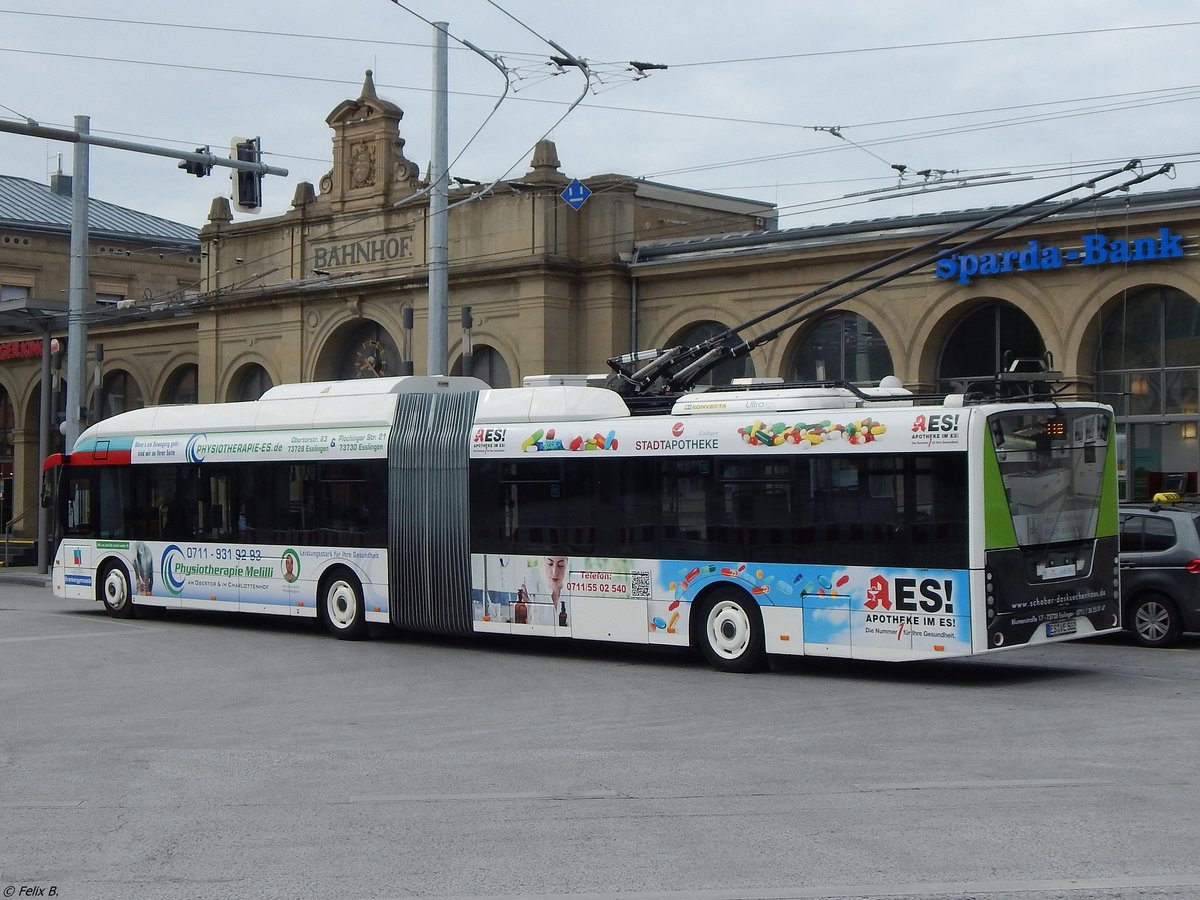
[1147,534]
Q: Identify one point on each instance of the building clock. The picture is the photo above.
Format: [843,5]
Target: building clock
[370,359]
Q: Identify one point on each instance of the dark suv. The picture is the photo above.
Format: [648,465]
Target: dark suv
[1160,570]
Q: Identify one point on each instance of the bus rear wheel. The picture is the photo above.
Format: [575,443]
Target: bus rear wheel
[342,608]
[731,633]
[114,591]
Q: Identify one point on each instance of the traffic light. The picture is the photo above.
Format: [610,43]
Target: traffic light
[247,186]
[198,169]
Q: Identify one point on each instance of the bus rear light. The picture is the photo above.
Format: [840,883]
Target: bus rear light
[1193,567]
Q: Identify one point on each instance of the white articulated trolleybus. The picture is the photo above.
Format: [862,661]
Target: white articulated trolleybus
[819,519]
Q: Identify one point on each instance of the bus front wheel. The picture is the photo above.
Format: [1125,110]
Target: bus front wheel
[114,591]
[731,633]
[342,608]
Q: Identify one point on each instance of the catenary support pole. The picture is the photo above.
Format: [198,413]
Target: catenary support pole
[77,295]
[439,231]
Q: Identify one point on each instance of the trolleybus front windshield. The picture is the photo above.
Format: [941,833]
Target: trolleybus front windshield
[1052,467]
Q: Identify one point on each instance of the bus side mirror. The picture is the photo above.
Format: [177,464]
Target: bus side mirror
[45,493]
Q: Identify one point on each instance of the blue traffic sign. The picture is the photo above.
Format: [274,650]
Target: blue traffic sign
[575,193]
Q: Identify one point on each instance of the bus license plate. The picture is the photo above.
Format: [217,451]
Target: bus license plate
[1058,629]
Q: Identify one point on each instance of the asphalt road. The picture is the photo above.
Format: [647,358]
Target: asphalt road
[183,755]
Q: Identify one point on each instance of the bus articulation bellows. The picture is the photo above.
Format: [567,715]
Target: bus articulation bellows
[804,520]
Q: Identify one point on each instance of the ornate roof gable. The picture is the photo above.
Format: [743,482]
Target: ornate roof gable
[369,166]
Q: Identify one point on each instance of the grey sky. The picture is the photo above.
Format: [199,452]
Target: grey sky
[797,103]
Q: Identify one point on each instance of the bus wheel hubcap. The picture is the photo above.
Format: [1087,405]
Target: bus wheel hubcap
[728,629]
[342,604]
[114,590]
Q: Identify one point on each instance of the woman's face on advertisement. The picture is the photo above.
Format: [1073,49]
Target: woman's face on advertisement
[556,569]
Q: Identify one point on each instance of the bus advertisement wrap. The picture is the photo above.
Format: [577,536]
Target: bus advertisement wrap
[348,443]
[796,520]
[231,577]
[843,610]
[828,431]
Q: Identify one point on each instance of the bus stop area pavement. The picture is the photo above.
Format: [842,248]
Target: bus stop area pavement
[184,755]
[27,575]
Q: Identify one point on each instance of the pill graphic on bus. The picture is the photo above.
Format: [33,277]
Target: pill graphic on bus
[811,434]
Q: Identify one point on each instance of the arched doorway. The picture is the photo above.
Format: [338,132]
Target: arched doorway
[487,365]
[977,347]
[841,346]
[119,392]
[249,382]
[1148,369]
[181,387]
[723,373]
[363,349]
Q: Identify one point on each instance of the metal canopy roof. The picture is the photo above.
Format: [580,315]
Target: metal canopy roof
[31,316]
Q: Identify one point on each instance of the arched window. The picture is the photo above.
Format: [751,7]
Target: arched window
[1150,352]
[119,393]
[1148,369]
[724,373]
[842,346]
[250,382]
[181,386]
[487,365]
[975,350]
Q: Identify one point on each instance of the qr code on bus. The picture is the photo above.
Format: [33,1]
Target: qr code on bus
[639,585]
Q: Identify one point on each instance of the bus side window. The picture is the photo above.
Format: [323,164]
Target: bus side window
[78,512]
[115,512]
[215,499]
